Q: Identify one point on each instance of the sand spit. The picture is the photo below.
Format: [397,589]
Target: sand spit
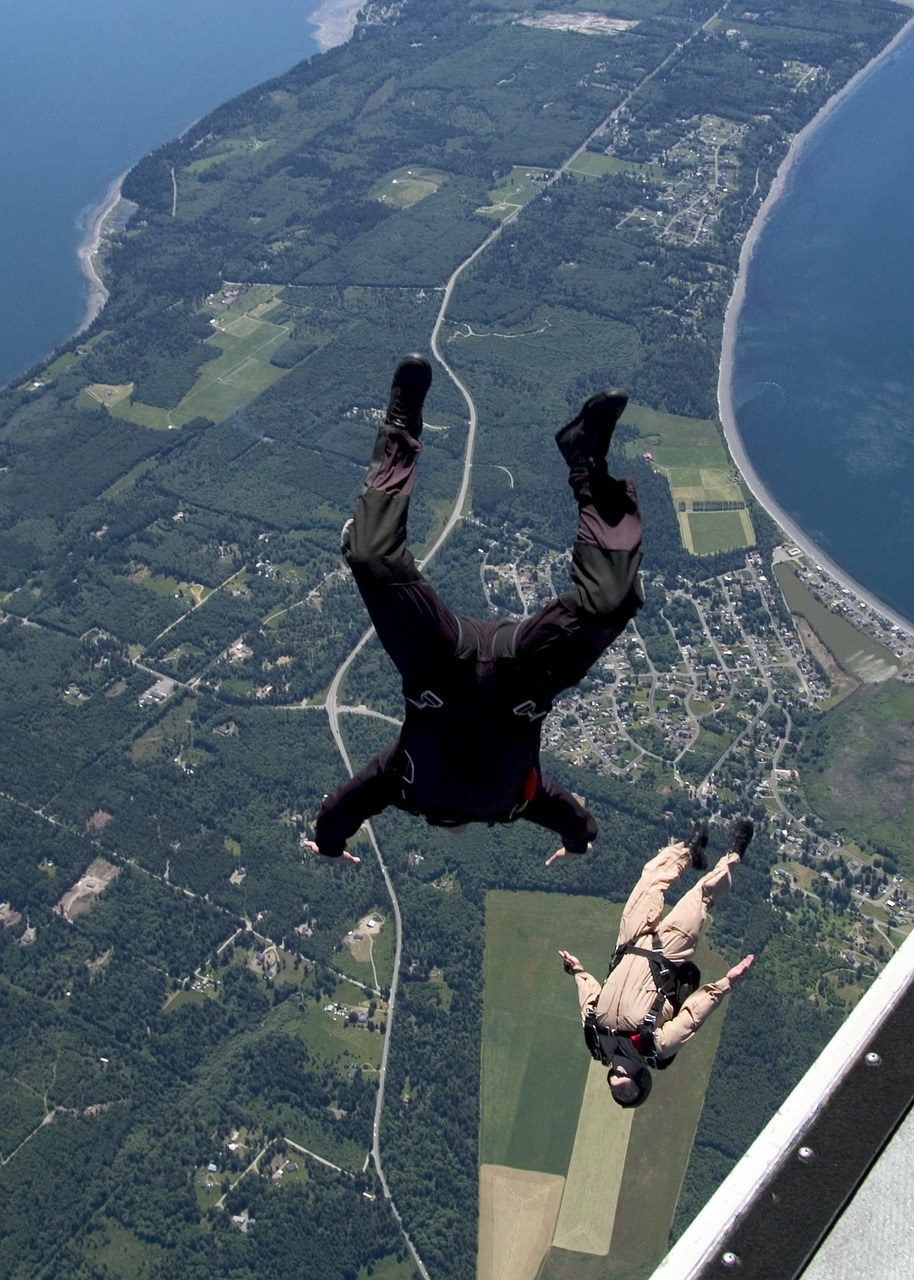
[725,378]
[98,220]
[335,21]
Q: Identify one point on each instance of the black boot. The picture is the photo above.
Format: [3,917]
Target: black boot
[698,842]
[411,381]
[586,437]
[741,834]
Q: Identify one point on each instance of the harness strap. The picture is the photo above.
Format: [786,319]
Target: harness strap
[662,971]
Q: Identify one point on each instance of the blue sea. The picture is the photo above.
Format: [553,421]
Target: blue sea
[88,87]
[823,377]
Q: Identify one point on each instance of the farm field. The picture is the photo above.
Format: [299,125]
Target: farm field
[867,791]
[591,165]
[546,1116]
[691,454]
[711,531]
[226,384]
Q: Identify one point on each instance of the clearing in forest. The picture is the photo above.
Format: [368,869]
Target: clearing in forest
[93,881]
[408,185]
[514,190]
[224,385]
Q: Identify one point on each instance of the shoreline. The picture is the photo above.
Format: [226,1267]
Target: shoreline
[731,319]
[97,293]
[334,23]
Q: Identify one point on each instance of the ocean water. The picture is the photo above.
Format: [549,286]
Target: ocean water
[86,89]
[823,375]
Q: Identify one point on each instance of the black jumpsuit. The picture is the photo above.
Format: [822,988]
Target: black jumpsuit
[476,692]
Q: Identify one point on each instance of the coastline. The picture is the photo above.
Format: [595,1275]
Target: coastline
[87,251]
[731,319]
[334,22]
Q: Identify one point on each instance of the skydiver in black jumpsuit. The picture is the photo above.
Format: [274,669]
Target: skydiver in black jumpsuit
[476,692]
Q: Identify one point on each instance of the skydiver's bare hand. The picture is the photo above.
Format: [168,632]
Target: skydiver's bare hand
[565,853]
[345,856]
[740,970]
[570,963]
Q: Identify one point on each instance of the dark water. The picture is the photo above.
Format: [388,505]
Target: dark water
[87,87]
[823,382]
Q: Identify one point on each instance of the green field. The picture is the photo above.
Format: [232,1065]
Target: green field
[225,385]
[535,1112]
[123,1254]
[513,191]
[692,455]
[591,165]
[711,531]
[533,1068]
[858,768]
[130,479]
[860,654]
[384,945]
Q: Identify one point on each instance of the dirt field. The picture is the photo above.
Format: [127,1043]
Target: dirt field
[93,881]
[517,1216]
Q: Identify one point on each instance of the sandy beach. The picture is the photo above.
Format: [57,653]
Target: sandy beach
[725,376]
[97,293]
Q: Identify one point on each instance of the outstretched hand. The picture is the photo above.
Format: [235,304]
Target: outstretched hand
[740,970]
[346,856]
[571,964]
[565,853]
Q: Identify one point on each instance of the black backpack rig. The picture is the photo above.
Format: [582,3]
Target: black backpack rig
[674,982]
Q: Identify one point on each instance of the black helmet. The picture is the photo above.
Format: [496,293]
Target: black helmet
[644,1082]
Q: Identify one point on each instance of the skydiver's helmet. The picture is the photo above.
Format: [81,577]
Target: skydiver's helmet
[644,1082]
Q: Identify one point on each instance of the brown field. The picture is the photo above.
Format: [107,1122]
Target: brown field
[530,1203]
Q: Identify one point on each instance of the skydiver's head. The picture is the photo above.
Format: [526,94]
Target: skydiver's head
[629,1088]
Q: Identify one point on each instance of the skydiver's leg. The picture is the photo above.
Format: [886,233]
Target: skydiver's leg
[679,932]
[557,646]
[644,907]
[415,627]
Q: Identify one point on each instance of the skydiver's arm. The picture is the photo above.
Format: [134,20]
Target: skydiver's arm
[670,1038]
[554,807]
[367,793]
[587,986]
[679,1030]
